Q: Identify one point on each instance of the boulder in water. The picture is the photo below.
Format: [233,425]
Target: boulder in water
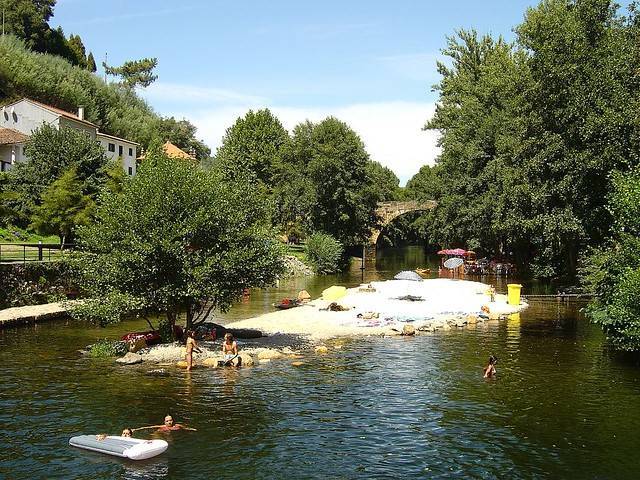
[408,330]
[130,359]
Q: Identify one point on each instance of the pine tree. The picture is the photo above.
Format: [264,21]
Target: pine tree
[91,63]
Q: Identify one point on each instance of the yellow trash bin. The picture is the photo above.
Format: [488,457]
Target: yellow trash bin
[514,293]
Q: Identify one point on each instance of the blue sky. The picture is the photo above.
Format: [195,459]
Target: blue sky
[369,63]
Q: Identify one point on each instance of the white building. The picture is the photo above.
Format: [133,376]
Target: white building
[19,119]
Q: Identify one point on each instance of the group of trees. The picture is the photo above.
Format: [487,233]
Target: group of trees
[175,239]
[530,132]
[318,179]
[29,21]
[540,146]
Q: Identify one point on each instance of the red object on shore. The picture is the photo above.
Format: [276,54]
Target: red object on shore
[455,251]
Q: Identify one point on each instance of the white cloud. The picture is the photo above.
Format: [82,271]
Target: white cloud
[391,131]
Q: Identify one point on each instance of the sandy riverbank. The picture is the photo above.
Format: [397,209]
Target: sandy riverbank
[443,303]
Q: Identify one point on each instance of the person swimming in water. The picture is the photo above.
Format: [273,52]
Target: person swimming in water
[490,370]
[167,426]
[230,351]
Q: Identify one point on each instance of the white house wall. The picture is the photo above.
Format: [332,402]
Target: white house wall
[10,154]
[27,117]
[121,149]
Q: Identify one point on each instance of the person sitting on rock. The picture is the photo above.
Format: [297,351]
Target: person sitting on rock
[230,351]
[490,370]
[167,426]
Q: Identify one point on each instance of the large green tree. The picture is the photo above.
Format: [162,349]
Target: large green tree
[344,202]
[252,145]
[64,206]
[612,272]
[51,152]
[176,239]
[28,19]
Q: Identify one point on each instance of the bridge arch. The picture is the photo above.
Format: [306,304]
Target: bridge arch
[387,212]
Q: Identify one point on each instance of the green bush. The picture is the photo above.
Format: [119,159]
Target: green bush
[108,348]
[34,283]
[325,253]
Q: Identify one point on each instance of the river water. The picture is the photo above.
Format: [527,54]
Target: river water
[561,406]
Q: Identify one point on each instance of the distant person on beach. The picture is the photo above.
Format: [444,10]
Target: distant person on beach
[191,345]
[490,370]
[230,350]
[167,426]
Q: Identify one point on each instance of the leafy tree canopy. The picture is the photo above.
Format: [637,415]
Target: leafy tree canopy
[50,153]
[176,239]
[64,206]
[134,73]
[252,145]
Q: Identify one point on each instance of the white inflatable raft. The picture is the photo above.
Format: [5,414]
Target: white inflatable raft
[125,447]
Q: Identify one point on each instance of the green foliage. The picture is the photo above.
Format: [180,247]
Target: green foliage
[134,73]
[34,283]
[530,132]
[325,253]
[64,206]
[108,348]
[77,49]
[116,110]
[344,203]
[91,63]
[253,146]
[51,153]
[183,134]
[613,272]
[384,184]
[176,239]
[27,19]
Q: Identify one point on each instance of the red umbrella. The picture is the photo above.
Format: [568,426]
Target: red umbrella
[457,251]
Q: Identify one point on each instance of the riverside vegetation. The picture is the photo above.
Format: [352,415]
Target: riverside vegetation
[539,157]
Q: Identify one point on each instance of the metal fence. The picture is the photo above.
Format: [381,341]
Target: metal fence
[33,252]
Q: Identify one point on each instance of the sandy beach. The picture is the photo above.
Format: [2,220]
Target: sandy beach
[426,305]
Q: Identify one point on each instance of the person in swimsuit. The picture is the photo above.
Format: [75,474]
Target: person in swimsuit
[167,426]
[125,433]
[490,369]
[230,350]
[191,345]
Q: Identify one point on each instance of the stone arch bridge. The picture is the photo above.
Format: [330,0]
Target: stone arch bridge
[388,211]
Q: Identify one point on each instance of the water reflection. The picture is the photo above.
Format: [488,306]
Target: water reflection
[372,408]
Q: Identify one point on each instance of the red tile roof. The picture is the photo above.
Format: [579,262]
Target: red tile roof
[9,136]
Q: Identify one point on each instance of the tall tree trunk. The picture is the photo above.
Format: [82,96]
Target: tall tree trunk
[189,324]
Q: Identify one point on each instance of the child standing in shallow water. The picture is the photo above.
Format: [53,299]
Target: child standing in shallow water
[191,345]
[490,369]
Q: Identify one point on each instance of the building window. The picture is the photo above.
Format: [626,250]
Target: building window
[130,170]
[120,149]
[112,147]
[131,152]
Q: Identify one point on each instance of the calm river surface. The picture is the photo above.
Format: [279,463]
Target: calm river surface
[561,406]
